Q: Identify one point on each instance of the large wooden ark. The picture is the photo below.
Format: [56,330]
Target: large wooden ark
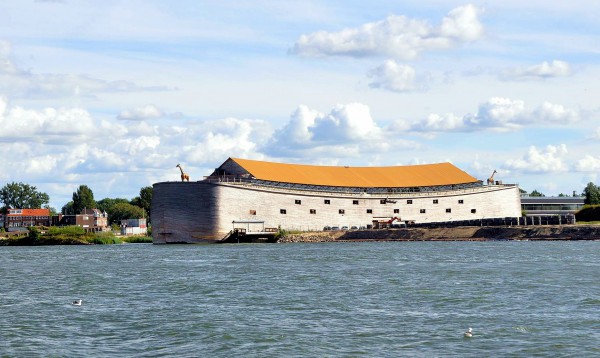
[259,196]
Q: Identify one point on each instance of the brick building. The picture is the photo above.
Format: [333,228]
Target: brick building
[88,219]
[20,219]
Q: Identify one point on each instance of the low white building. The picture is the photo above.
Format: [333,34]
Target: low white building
[133,227]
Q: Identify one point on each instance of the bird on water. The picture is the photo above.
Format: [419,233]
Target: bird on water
[469,333]
[77,302]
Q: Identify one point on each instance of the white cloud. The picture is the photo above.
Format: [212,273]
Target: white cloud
[44,126]
[148,111]
[396,36]
[212,141]
[347,130]
[548,160]
[588,163]
[397,77]
[543,70]
[140,145]
[345,123]
[22,83]
[500,114]
[594,135]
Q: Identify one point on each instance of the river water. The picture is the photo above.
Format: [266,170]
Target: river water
[383,299]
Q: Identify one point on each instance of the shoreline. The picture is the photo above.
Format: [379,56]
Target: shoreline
[460,233]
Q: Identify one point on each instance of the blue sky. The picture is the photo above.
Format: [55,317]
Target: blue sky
[114,94]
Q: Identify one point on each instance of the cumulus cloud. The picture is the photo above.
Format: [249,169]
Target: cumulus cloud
[588,163]
[543,70]
[148,111]
[345,122]
[398,37]
[501,114]
[547,160]
[45,125]
[212,141]
[347,130]
[396,77]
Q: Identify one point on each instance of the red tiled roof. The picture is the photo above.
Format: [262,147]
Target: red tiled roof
[32,212]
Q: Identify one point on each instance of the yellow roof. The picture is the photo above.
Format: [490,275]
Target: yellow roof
[361,177]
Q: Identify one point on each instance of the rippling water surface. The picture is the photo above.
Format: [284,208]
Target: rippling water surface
[330,299]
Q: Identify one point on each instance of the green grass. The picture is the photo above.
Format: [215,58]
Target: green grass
[137,239]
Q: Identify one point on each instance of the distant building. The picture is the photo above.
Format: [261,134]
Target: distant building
[133,227]
[551,205]
[89,219]
[20,219]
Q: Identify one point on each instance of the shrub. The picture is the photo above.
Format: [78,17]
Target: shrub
[138,240]
[103,238]
[66,231]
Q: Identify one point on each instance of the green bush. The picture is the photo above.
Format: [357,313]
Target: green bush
[103,238]
[33,235]
[138,239]
[66,230]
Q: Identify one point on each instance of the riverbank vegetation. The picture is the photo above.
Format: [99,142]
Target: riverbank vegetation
[588,214]
[69,235]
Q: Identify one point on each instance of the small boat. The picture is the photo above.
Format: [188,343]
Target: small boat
[77,302]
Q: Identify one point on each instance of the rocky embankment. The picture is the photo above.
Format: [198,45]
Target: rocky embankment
[464,233]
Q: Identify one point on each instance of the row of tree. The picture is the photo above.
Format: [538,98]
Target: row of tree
[19,195]
[591,193]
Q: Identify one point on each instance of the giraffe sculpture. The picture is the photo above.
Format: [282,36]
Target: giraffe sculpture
[184,176]
[490,180]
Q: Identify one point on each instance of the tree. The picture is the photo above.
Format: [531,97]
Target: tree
[144,201]
[536,193]
[67,209]
[22,196]
[122,211]
[592,194]
[83,198]
[107,203]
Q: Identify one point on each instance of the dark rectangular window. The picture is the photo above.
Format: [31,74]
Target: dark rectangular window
[382,201]
[448,210]
[409,201]
[473,211]
[252,212]
[396,211]
[460,201]
[282,211]
[354,202]
[435,201]
[327,201]
[422,211]
[369,211]
[299,202]
[342,211]
[313,211]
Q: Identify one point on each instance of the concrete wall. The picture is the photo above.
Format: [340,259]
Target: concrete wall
[200,211]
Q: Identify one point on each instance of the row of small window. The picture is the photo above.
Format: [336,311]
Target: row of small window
[369,211]
[21,218]
[382,201]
